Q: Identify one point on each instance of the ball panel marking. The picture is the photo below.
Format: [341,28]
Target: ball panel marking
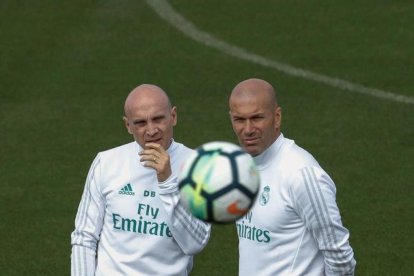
[219,183]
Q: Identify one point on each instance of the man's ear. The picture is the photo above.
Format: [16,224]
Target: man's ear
[126,122]
[278,117]
[174,115]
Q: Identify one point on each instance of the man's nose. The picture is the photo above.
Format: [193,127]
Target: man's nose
[248,128]
[151,129]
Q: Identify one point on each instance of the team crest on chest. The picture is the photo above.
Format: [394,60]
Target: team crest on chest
[264,196]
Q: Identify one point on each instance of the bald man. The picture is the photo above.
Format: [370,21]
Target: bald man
[130,221]
[294,227]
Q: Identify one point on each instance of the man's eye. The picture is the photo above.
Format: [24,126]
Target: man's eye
[258,118]
[139,123]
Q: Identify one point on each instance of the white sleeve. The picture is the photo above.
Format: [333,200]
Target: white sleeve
[88,225]
[190,233]
[314,196]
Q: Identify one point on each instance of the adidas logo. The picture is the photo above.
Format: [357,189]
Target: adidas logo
[127,190]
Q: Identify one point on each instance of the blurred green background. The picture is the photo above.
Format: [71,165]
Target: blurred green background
[66,68]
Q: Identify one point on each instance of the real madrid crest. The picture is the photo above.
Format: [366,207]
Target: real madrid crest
[264,196]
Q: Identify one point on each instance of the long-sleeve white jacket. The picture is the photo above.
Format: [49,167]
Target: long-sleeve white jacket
[129,224]
[294,227]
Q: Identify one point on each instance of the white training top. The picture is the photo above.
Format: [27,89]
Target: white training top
[294,226]
[129,224]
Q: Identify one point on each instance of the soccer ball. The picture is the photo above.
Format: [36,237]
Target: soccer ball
[219,182]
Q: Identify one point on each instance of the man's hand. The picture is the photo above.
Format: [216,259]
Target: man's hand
[154,156]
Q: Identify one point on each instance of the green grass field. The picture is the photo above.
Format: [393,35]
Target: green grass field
[66,68]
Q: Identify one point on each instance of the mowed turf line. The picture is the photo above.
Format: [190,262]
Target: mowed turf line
[65,69]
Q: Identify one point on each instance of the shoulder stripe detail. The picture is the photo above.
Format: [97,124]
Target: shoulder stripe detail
[80,261]
[199,232]
[81,220]
[332,233]
[321,212]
